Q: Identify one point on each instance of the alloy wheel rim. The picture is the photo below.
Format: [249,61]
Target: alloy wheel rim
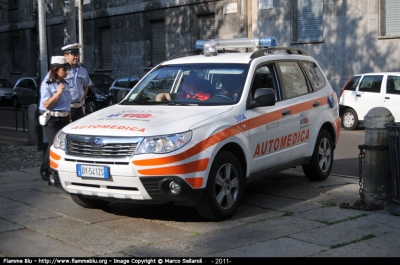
[226,186]
[324,155]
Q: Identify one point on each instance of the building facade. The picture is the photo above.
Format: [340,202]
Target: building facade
[129,37]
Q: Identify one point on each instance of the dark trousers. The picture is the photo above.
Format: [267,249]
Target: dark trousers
[76,113]
[51,129]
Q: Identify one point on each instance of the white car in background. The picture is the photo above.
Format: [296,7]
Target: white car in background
[362,92]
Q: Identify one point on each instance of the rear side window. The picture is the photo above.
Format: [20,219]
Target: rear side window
[371,83]
[30,84]
[23,83]
[315,75]
[293,81]
[393,85]
[123,82]
[352,84]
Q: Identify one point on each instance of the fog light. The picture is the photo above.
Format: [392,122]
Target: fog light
[174,187]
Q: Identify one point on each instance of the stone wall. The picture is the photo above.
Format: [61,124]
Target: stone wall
[351,42]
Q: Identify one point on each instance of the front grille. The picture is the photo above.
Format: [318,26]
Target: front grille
[111,147]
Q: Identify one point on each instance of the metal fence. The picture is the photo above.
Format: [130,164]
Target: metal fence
[19,120]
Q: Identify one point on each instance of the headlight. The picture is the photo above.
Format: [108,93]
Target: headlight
[60,140]
[99,96]
[164,143]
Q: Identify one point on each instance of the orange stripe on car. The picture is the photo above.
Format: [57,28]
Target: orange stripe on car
[336,125]
[227,133]
[195,182]
[54,155]
[195,166]
[53,164]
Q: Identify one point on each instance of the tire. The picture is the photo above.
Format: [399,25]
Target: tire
[88,202]
[16,103]
[322,158]
[90,106]
[224,190]
[349,119]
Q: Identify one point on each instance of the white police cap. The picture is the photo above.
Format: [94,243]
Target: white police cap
[72,48]
[58,61]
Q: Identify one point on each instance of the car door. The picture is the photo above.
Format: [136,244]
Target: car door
[368,95]
[392,95]
[271,126]
[21,90]
[305,104]
[31,92]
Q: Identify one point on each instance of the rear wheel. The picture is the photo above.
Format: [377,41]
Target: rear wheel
[224,189]
[88,202]
[349,119]
[322,158]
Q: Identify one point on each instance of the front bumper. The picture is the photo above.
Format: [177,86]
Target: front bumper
[141,189]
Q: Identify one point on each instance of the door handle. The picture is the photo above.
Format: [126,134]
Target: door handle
[286,112]
[358,95]
[387,97]
[315,104]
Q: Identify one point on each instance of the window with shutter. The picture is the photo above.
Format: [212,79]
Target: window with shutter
[308,24]
[17,52]
[390,19]
[207,26]
[106,48]
[157,42]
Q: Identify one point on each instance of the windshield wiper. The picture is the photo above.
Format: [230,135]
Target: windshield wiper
[182,104]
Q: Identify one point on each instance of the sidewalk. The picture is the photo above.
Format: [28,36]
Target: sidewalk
[283,215]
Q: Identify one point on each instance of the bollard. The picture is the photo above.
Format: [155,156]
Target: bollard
[32,124]
[394,148]
[377,182]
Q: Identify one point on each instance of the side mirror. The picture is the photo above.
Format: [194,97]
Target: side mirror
[263,97]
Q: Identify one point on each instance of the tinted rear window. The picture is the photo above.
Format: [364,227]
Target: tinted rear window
[352,85]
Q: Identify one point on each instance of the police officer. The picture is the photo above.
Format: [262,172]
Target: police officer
[55,97]
[78,79]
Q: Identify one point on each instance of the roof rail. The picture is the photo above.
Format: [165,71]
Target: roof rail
[185,54]
[289,50]
[198,52]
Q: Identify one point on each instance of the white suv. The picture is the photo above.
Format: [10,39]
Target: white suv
[366,91]
[202,150]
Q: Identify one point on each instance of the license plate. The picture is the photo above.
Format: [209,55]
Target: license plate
[90,171]
[8,97]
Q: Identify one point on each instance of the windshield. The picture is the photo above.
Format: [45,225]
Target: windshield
[199,84]
[5,83]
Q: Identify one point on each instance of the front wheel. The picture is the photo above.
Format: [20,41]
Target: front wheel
[88,202]
[16,103]
[224,189]
[349,119]
[322,158]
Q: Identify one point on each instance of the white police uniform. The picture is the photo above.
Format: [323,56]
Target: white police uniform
[78,78]
[63,104]
[59,112]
